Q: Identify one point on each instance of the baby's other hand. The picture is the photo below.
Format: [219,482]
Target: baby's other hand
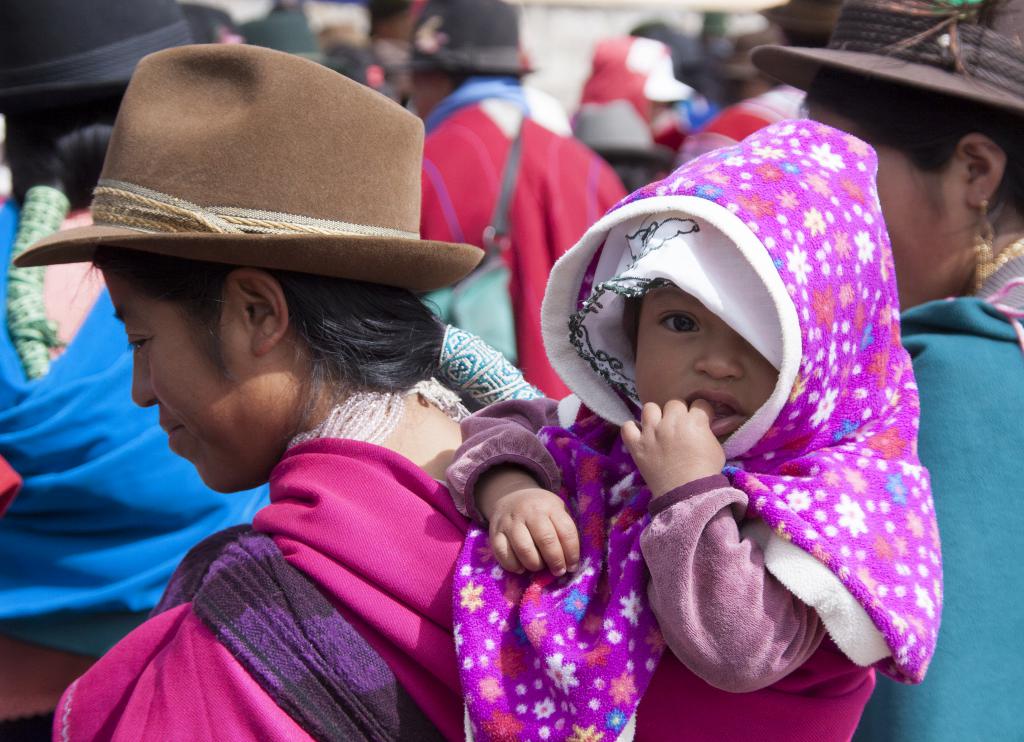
[674,446]
[530,527]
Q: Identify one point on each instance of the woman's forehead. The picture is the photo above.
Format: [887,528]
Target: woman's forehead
[131,305]
[122,296]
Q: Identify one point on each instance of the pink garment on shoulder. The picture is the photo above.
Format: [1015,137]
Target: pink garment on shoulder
[374,533]
[380,538]
[170,679]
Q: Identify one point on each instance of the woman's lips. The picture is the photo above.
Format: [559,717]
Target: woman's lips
[172,431]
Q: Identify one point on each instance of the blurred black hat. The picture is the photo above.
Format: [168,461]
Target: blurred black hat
[55,53]
[468,37]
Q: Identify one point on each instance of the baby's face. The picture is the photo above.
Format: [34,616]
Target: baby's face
[685,352]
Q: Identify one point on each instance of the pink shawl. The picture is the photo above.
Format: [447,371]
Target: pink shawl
[374,532]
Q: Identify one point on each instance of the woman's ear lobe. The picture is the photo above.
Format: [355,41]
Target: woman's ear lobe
[985,164]
[264,308]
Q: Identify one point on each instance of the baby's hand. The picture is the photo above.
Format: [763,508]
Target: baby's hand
[675,446]
[529,526]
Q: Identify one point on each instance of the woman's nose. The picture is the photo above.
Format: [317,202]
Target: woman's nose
[142,387]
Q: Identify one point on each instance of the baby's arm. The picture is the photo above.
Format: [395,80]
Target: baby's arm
[722,614]
[502,474]
[503,435]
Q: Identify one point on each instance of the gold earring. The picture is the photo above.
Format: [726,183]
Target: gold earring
[983,257]
[987,262]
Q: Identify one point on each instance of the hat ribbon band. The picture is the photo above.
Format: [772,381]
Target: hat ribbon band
[120,204]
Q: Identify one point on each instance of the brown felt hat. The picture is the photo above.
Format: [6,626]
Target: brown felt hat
[967,49]
[249,156]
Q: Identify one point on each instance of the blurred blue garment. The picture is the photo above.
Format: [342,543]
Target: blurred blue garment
[696,111]
[107,510]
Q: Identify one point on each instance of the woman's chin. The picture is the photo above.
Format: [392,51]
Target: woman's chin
[227,477]
[227,480]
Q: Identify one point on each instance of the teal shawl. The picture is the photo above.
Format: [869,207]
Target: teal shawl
[970,372]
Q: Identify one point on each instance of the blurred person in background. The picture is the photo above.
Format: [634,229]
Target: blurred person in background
[487,161]
[640,71]
[391,23]
[757,100]
[936,88]
[335,21]
[107,510]
[617,133]
[741,80]
[694,65]
[287,29]
[209,25]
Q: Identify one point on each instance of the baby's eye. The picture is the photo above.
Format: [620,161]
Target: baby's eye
[679,323]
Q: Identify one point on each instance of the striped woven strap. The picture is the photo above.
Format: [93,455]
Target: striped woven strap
[120,204]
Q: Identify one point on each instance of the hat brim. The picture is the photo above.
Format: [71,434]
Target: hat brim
[799,66]
[417,265]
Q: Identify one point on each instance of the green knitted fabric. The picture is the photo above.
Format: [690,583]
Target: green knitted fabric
[33,335]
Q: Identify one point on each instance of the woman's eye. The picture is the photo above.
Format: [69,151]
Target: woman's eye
[136,345]
[679,323]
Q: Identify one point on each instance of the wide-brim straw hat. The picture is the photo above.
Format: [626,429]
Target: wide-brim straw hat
[248,156]
[968,50]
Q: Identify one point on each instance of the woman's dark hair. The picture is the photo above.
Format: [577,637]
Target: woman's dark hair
[60,147]
[358,335]
[923,125]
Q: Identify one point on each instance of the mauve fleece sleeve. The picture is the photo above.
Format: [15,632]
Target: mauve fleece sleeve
[503,434]
[721,612]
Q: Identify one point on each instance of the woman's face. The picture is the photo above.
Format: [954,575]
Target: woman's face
[930,225]
[232,422]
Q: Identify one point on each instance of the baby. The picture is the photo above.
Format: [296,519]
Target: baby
[738,322]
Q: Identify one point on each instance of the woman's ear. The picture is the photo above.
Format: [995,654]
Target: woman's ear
[256,308]
[983,163]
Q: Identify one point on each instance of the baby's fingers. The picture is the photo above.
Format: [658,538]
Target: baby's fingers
[650,416]
[703,411]
[502,550]
[631,435]
[547,541]
[569,537]
[522,541]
